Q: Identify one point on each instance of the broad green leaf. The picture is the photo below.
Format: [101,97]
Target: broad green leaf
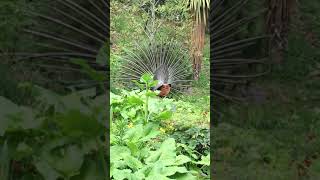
[151,94]
[164,115]
[132,112]
[141,86]
[118,152]
[47,96]
[166,154]
[138,176]
[133,162]
[14,117]
[150,131]
[122,174]
[158,176]
[205,160]
[146,78]
[154,156]
[168,151]
[115,98]
[76,124]
[182,159]
[25,119]
[188,150]
[23,150]
[68,161]
[154,83]
[118,164]
[171,170]
[91,170]
[157,168]
[184,176]
[89,145]
[47,171]
[133,146]
[73,102]
[124,114]
[6,107]
[144,152]
[135,101]
[134,134]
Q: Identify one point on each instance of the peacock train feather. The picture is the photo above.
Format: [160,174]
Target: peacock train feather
[229,64]
[80,29]
[167,61]
[69,29]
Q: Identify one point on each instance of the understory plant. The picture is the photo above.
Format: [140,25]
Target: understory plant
[139,147]
[60,137]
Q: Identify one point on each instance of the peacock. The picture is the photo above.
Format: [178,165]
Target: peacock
[80,29]
[227,57]
[166,60]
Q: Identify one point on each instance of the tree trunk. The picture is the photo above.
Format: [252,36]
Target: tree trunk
[197,40]
[277,25]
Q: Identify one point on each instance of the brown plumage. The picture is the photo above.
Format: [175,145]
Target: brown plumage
[164,90]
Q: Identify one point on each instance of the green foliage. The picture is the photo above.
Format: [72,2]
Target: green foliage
[143,163]
[174,10]
[196,138]
[194,142]
[19,93]
[273,136]
[130,18]
[12,18]
[56,138]
[141,150]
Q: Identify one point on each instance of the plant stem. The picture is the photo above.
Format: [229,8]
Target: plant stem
[147,105]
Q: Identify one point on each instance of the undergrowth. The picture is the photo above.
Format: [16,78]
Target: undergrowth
[148,137]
